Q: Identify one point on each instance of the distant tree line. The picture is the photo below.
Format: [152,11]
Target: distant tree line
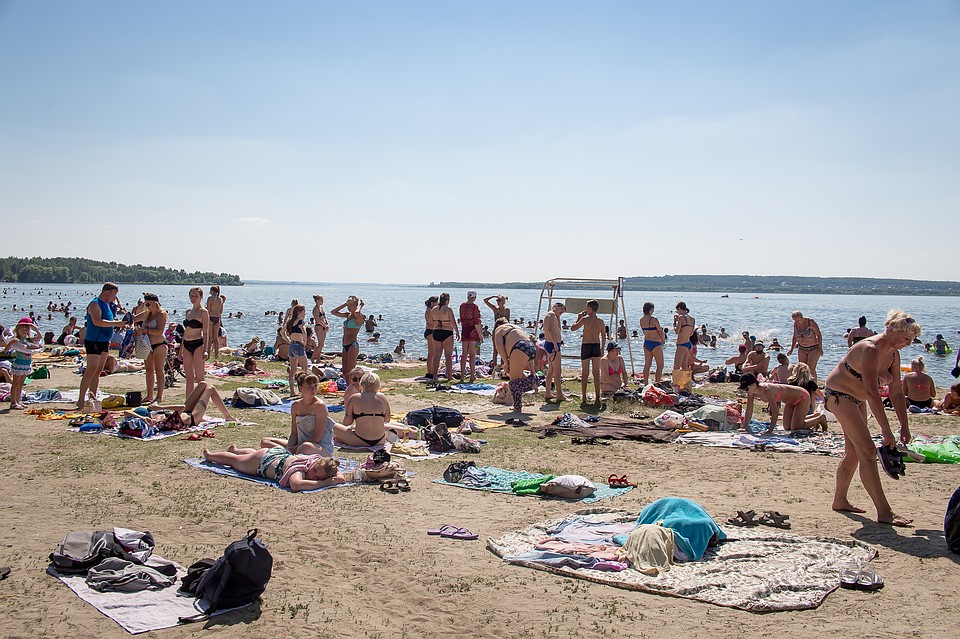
[69,270]
[757,284]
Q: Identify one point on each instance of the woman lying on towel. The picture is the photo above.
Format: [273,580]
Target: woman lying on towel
[192,412]
[296,472]
[113,365]
[366,417]
[311,431]
[796,401]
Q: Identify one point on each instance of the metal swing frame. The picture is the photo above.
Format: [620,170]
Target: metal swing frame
[612,307]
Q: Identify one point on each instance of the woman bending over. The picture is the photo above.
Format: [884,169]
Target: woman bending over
[796,402]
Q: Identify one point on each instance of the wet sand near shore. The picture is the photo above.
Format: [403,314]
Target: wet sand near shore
[356,562]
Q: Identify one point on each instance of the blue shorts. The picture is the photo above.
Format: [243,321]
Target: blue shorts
[297,349]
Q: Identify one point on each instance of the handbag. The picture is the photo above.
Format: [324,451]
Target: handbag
[141,346]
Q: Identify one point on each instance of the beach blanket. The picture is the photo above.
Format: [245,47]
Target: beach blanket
[389,447]
[206,424]
[486,390]
[754,570]
[608,428]
[286,406]
[780,441]
[501,479]
[346,467]
[139,611]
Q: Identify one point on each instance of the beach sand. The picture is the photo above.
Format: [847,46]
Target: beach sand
[356,562]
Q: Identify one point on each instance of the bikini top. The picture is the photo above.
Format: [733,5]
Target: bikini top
[150,323]
[297,328]
[807,332]
[612,372]
[193,323]
[351,323]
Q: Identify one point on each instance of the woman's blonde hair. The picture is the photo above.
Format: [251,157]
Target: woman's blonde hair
[325,466]
[918,364]
[800,375]
[370,382]
[796,314]
[898,320]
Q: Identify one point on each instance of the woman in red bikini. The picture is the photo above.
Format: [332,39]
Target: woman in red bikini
[613,371]
[796,401]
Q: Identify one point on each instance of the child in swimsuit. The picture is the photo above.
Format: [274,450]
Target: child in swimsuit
[26,341]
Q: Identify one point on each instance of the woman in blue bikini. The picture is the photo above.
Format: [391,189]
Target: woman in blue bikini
[353,320]
[683,326]
[653,339]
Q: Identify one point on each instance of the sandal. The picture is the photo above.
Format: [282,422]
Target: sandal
[208,433]
[462,534]
[619,482]
[192,437]
[389,486]
[403,485]
[748,518]
[774,519]
[868,579]
[442,529]
[849,575]
[890,461]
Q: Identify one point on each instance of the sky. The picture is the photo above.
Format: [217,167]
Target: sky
[410,141]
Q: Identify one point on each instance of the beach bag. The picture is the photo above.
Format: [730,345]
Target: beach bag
[450,417]
[41,373]
[568,487]
[141,346]
[114,401]
[237,579]
[250,397]
[502,394]
[438,439]
[951,523]
[656,396]
[133,398]
[79,551]
[196,570]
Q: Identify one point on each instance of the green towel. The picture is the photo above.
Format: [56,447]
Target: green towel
[530,486]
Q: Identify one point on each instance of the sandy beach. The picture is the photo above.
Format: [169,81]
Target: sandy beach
[356,562]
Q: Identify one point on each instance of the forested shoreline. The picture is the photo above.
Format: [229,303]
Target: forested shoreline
[73,270]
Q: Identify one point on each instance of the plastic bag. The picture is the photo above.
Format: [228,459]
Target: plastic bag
[669,420]
[656,396]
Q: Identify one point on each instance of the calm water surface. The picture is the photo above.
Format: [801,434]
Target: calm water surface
[765,316]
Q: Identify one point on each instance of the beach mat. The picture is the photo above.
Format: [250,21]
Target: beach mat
[287,407]
[346,467]
[199,428]
[753,570]
[142,611]
[501,478]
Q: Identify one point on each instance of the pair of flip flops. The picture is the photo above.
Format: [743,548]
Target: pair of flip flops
[891,460]
[853,576]
[452,531]
[394,486]
[620,482]
[770,518]
[195,437]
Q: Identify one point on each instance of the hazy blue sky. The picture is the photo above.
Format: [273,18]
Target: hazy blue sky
[415,141]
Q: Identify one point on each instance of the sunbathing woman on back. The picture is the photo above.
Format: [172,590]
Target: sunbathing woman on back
[296,472]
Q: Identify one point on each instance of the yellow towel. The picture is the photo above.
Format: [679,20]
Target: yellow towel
[649,548]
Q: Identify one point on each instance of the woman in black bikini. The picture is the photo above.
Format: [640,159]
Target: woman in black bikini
[192,412]
[194,350]
[808,341]
[321,326]
[428,335]
[444,329]
[297,334]
[365,416]
[153,321]
[215,312]
[919,387]
[853,385]
[518,352]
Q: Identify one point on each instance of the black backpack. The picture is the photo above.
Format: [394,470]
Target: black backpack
[951,523]
[237,579]
[435,415]
[81,550]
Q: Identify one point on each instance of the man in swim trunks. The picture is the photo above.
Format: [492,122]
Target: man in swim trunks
[591,348]
[757,361]
[551,344]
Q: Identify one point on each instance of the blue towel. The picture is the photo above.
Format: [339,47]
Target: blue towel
[287,407]
[346,467]
[692,526]
[501,479]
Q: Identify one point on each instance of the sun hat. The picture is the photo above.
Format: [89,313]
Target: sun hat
[25,320]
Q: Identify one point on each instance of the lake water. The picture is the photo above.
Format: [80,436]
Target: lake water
[765,316]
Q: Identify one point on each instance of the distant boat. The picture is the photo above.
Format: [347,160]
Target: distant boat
[724,296]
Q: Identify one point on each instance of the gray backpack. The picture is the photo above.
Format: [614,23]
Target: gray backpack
[81,550]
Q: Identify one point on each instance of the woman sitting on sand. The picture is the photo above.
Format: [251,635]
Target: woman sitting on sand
[252,347]
[950,404]
[281,347]
[696,364]
[852,386]
[781,371]
[296,472]
[311,432]
[191,413]
[800,376]
[919,387]
[365,415]
[796,402]
[739,359]
[613,370]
